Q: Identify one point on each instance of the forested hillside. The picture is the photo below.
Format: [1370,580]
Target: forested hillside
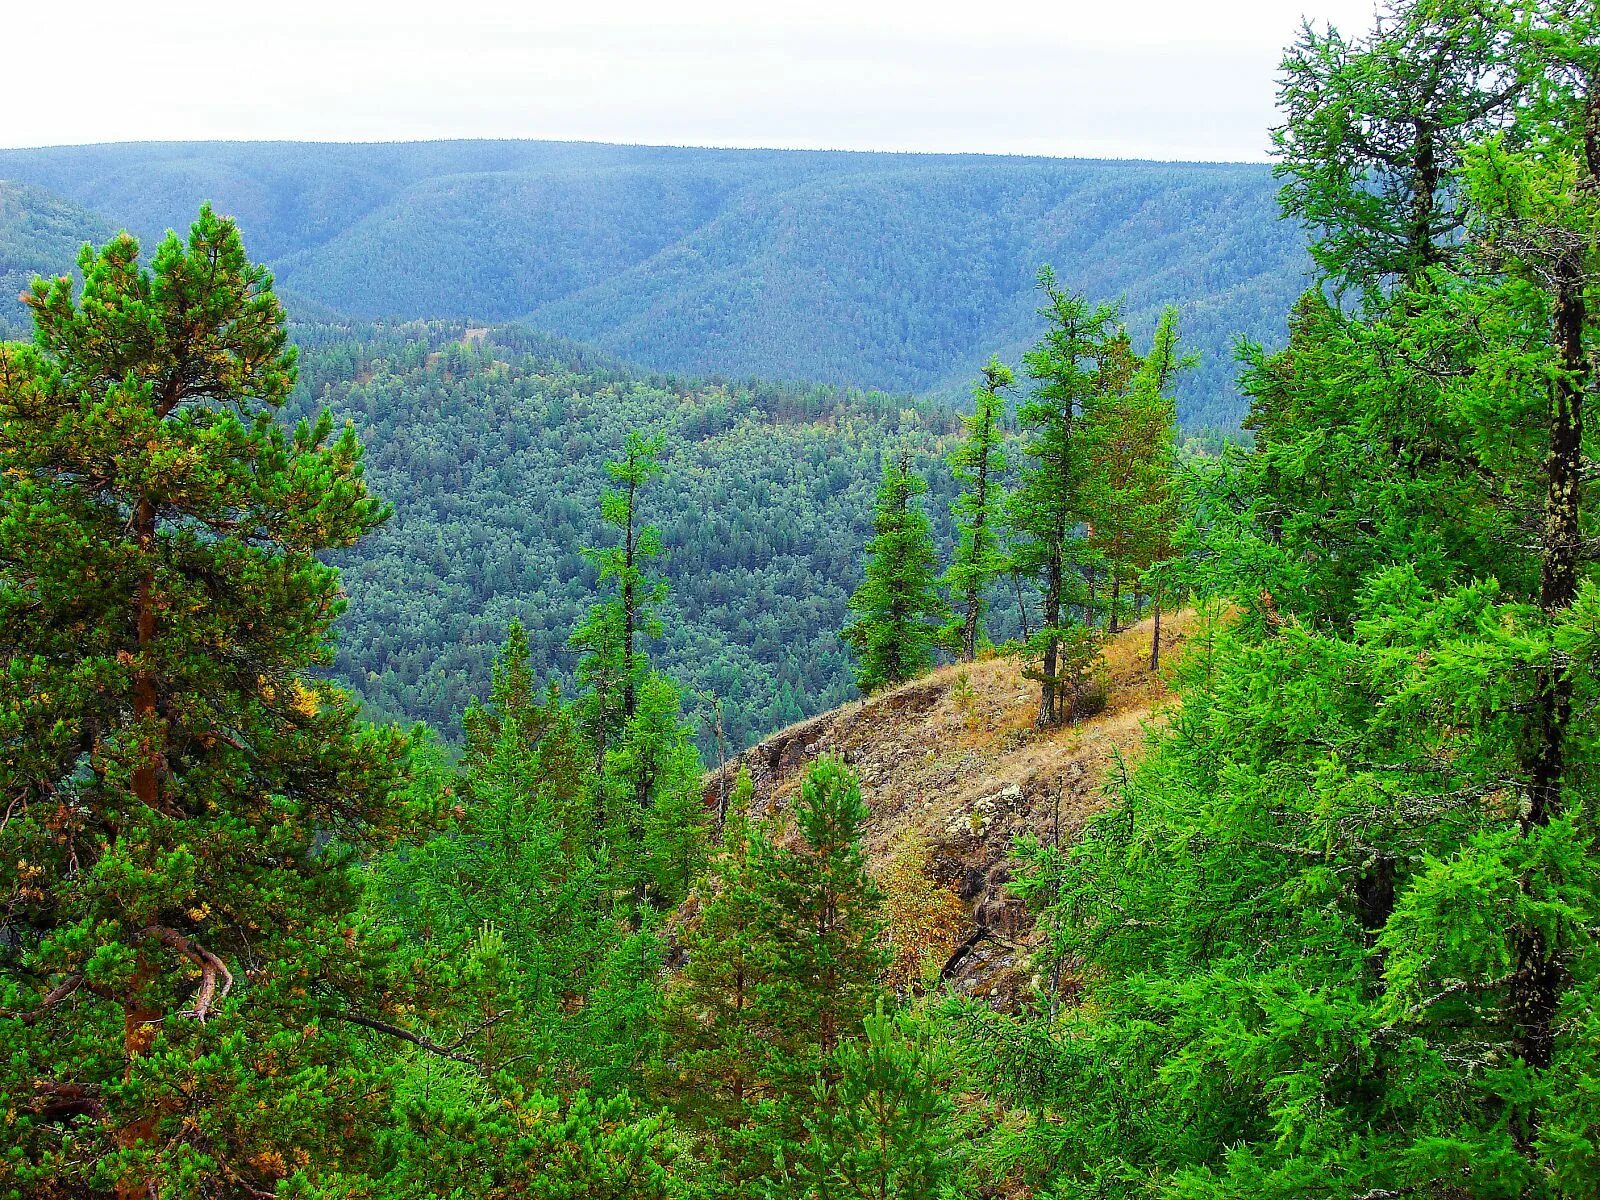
[1263,865]
[900,272]
[492,448]
[39,235]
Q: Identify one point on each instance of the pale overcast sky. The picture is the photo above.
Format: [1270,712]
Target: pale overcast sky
[1185,79]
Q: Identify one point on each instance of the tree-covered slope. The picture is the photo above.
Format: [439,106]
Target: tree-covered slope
[39,235]
[491,447]
[891,271]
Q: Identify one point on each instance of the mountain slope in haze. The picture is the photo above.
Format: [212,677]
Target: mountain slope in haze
[893,271]
[39,235]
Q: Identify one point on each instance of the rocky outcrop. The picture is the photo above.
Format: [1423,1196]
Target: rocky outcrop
[952,760]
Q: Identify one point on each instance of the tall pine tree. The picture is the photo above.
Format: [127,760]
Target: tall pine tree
[182,796]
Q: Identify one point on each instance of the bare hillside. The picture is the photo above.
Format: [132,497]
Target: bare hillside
[953,771]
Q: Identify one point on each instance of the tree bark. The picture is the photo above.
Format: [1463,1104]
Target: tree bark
[1537,979]
[146,773]
[1155,631]
[1049,701]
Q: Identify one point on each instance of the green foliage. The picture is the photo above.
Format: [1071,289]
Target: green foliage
[493,452]
[39,234]
[979,465]
[893,271]
[1334,934]
[881,1125]
[656,819]
[1048,507]
[612,666]
[183,801]
[897,606]
[819,919]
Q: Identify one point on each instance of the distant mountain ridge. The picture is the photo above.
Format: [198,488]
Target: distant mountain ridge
[893,271]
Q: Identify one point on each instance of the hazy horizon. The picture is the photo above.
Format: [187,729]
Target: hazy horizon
[1161,80]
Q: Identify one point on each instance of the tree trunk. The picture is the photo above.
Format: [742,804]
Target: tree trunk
[146,774]
[1155,631]
[1113,624]
[139,1024]
[969,632]
[1538,979]
[630,699]
[1049,702]
[1022,609]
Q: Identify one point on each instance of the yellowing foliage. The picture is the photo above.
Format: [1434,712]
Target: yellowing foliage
[926,920]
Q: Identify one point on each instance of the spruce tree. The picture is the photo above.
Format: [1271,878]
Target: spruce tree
[897,606]
[182,797]
[979,465]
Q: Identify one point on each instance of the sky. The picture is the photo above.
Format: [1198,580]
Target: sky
[1168,79]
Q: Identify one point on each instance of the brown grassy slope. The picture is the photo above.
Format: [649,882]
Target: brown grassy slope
[953,772]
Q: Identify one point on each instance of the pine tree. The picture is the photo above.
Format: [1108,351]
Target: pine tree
[979,464]
[512,696]
[182,798]
[897,606]
[881,1124]
[1047,507]
[710,1011]
[817,955]
[657,821]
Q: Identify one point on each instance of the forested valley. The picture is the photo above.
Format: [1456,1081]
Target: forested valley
[1215,817]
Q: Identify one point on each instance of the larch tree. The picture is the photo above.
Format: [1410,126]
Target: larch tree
[611,665]
[182,797]
[897,607]
[979,465]
[1339,928]
[1046,510]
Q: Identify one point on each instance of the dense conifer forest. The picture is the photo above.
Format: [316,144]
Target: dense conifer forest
[897,272]
[1330,927]
[492,446]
